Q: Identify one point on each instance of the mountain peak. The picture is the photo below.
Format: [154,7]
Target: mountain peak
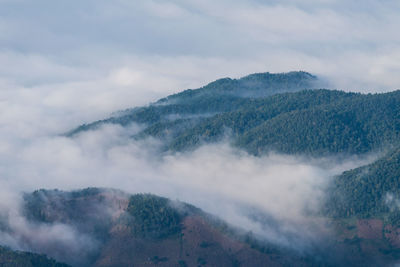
[290,74]
[253,86]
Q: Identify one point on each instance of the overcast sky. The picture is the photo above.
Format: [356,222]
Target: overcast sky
[89,58]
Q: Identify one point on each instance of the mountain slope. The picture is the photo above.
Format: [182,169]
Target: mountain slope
[147,230]
[313,122]
[9,258]
[251,86]
[370,191]
[220,96]
[308,122]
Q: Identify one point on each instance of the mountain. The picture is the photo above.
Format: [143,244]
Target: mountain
[222,95]
[148,230]
[371,191]
[10,258]
[251,86]
[313,122]
[260,113]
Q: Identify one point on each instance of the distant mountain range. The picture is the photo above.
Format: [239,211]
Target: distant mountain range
[282,116]
[287,113]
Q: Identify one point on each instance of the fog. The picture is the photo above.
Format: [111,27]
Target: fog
[277,197]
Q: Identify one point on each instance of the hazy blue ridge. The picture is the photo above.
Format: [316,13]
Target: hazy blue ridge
[290,120]
[253,86]
[220,96]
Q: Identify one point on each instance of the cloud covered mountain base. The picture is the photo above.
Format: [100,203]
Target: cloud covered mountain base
[265,173]
[268,206]
[105,227]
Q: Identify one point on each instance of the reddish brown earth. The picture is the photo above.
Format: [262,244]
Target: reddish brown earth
[370,229]
[368,242]
[200,244]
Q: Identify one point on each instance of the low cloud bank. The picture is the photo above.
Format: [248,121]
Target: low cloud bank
[277,197]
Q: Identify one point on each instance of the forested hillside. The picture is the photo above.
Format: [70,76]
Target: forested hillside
[313,122]
[370,191]
[10,258]
[220,96]
[148,230]
[145,229]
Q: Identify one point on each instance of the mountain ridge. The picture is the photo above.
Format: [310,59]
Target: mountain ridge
[145,229]
[361,204]
[224,94]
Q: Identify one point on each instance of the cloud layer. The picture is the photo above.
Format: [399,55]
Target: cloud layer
[277,197]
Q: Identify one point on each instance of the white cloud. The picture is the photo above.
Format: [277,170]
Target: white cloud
[217,178]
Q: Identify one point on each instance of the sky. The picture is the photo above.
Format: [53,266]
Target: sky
[86,59]
[66,62]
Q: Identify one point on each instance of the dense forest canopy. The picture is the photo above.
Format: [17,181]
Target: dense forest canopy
[10,258]
[370,191]
[289,120]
